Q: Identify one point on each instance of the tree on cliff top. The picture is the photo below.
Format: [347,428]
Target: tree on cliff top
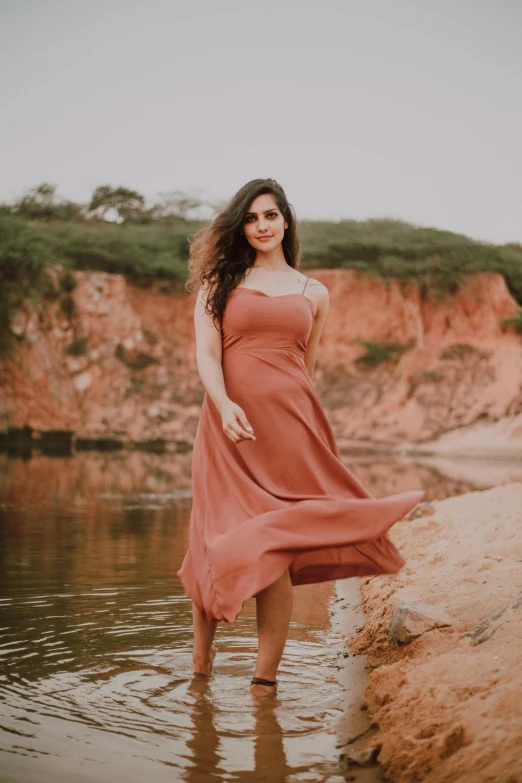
[41,203]
[126,204]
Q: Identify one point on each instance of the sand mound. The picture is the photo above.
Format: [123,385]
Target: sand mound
[449,703]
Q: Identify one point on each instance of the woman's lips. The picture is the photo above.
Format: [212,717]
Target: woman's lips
[263,239]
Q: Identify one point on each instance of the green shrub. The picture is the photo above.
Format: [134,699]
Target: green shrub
[68,306]
[67,282]
[23,258]
[134,361]
[424,377]
[458,351]
[515,323]
[381,353]
[78,347]
[137,251]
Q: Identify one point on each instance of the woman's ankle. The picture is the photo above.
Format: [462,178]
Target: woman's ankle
[266,674]
[202,662]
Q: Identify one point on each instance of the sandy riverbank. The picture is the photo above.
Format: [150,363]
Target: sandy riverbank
[449,704]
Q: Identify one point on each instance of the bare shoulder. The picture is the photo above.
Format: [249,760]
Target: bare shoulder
[319,293]
[317,287]
[204,319]
[205,290]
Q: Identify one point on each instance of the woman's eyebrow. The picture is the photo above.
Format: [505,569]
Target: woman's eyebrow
[272,209]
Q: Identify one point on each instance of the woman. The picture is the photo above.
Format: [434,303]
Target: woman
[273,504]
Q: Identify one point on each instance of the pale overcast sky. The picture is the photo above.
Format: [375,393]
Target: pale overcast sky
[359,108]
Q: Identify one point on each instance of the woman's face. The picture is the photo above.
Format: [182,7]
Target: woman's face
[264,224]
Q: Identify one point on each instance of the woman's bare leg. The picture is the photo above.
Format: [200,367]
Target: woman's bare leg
[273,612]
[204,651]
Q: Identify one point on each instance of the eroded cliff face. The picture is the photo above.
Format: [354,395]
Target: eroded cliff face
[112,360]
[460,364]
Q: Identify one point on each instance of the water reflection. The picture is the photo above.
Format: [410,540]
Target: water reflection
[95,647]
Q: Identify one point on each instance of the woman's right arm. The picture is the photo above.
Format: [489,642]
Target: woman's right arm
[209,352]
[209,363]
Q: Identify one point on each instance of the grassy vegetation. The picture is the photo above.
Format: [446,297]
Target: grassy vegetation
[23,257]
[513,323]
[134,361]
[436,261]
[140,252]
[458,351]
[381,353]
[78,347]
[423,378]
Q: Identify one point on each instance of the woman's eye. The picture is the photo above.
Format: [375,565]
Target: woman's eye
[252,217]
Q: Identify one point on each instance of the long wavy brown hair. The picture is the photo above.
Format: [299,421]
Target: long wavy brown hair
[220,255]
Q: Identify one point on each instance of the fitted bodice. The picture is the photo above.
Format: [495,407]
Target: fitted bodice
[255,320]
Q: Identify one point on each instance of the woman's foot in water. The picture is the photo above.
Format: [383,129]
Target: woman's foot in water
[204,667]
[260,688]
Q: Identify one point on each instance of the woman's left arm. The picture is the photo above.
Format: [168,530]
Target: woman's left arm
[322,301]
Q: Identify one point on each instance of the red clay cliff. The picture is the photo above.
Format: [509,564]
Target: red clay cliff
[120,360]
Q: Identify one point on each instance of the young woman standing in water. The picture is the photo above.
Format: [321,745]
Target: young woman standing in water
[273,504]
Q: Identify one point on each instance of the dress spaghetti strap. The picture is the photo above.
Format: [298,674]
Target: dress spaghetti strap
[307,279]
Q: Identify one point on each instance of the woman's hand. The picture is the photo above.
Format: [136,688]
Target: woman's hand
[235,423]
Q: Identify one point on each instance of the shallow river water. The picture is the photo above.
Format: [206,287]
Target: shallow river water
[95,641]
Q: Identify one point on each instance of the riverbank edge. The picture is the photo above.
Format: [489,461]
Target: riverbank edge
[17,441]
[445,704]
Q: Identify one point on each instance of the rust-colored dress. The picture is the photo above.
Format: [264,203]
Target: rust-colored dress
[284,500]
